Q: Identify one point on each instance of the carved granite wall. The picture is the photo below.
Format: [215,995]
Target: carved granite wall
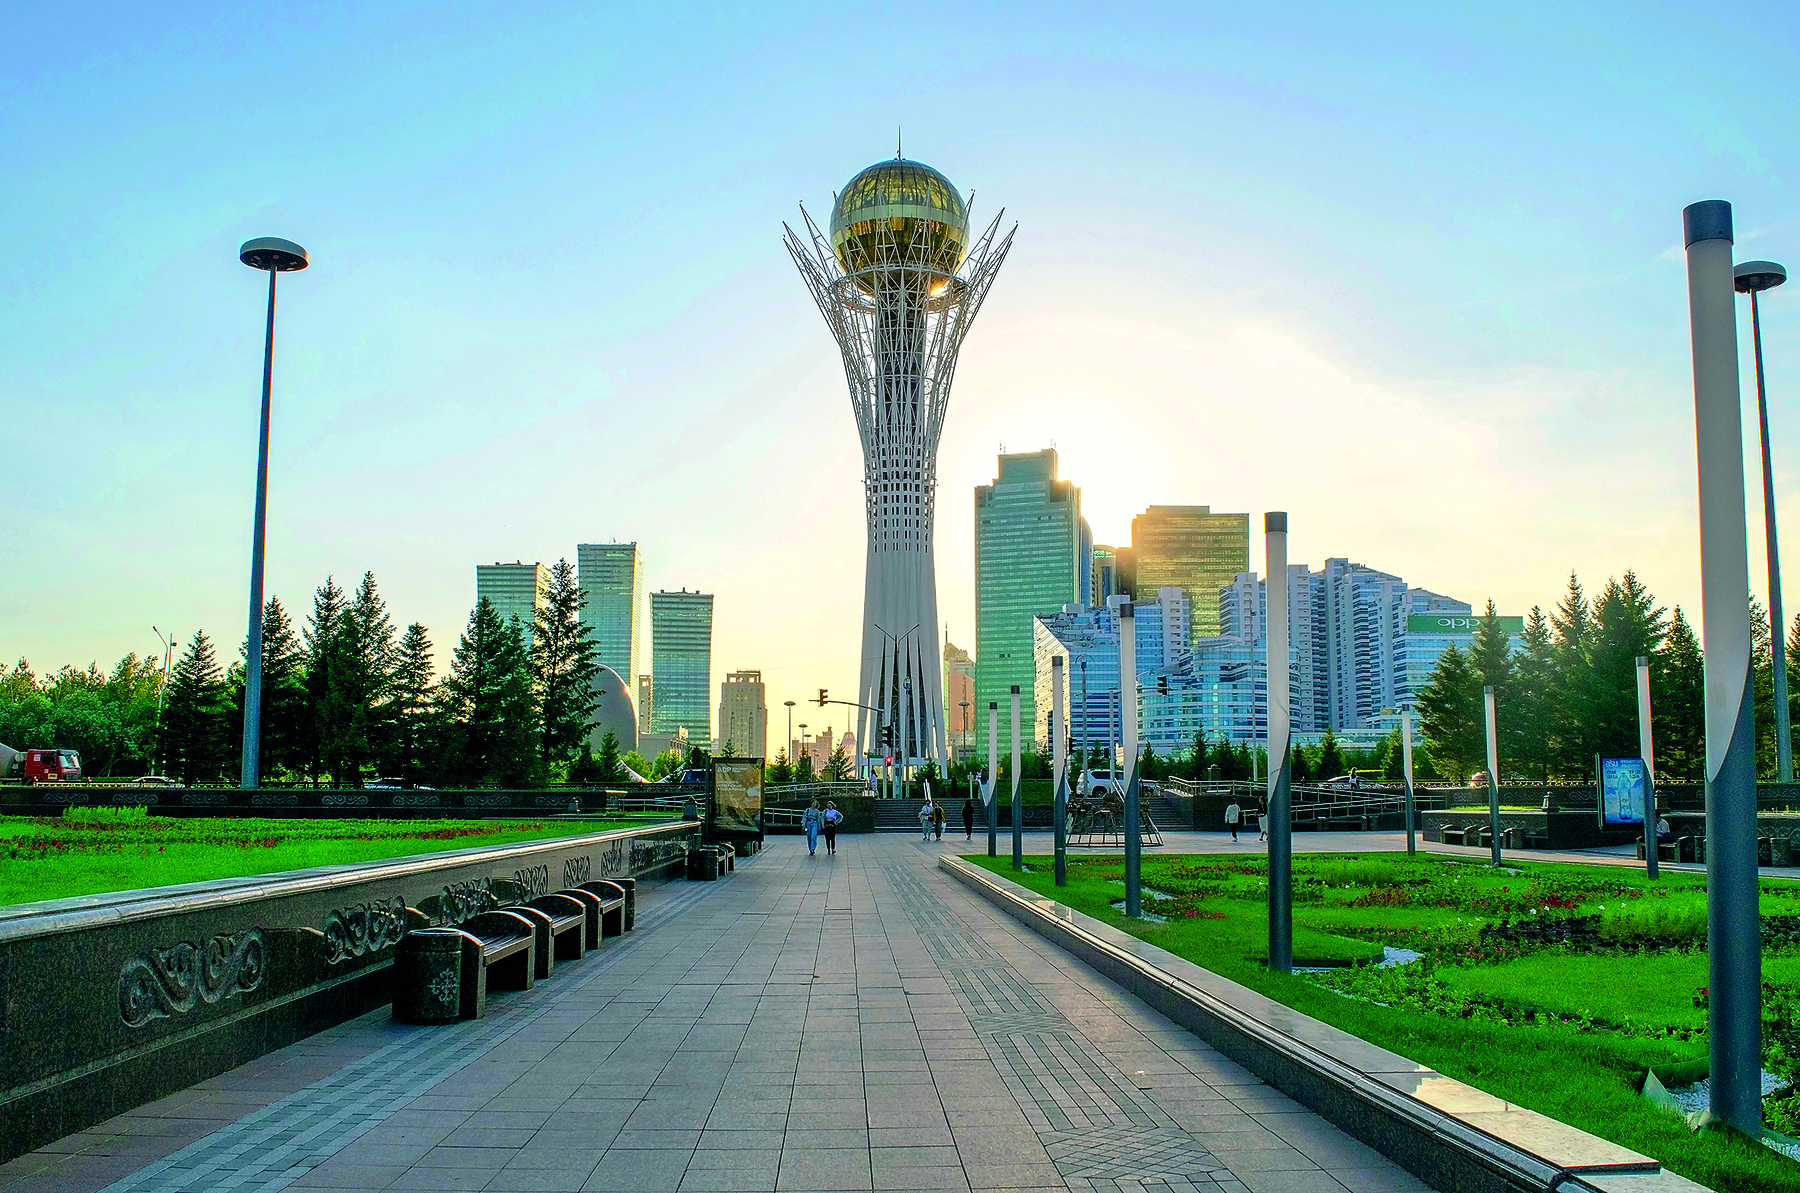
[110,1001]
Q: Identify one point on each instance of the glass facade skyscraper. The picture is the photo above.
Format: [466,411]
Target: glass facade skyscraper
[612,575]
[514,590]
[1190,547]
[681,663]
[1028,560]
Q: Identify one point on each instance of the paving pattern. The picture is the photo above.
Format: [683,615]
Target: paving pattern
[857,1023]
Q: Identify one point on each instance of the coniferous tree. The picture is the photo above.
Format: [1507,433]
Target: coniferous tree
[1534,681]
[1571,695]
[1762,683]
[1627,624]
[320,637]
[564,663]
[803,771]
[607,766]
[196,718]
[282,728]
[1678,708]
[1300,767]
[411,721]
[838,767]
[1451,718]
[1331,758]
[487,697]
[780,770]
[362,684]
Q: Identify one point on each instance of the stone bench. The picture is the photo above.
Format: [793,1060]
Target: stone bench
[562,929]
[443,974]
[707,863]
[610,903]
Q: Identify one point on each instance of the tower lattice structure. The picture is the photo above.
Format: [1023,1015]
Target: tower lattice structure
[899,295]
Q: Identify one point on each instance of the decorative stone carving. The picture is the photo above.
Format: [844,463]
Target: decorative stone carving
[576,870]
[275,799]
[364,928]
[458,901]
[487,800]
[417,799]
[345,799]
[204,799]
[175,980]
[532,882]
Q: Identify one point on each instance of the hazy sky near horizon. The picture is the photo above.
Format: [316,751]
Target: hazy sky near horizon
[1412,273]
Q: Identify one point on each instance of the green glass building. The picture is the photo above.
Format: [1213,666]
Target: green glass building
[1028,560]
[681,663]
[1191,548]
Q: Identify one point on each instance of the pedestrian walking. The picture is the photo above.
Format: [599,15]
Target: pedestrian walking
[1262,818]
[1234,815]
[937,820]
[810,820]
[925,817]
[969,818]
[831,818]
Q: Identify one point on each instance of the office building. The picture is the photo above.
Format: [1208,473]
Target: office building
[743,717]
[646,696]
[612,576]
[515,590]
[1028,561]
[1192,548]
[681,662]
[1101,582]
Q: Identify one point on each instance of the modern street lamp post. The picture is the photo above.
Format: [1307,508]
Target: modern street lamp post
[168,645]
[790,741]
[1752,278]
[274,255]
[1733,935]
[1280,738]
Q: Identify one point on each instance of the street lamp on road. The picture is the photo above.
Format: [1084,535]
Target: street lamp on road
[1752,278]
[790,740]
[274,255]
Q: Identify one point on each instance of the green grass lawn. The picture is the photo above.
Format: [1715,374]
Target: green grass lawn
[92,851]
[1566,1029]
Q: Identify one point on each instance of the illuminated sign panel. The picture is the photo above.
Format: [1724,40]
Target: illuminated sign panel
[1457,623]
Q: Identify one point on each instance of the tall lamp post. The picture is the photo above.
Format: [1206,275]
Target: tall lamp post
[1752,278]
[790,745]
[168,645]
[274,255]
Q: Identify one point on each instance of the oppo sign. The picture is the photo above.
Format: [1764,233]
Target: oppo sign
[1436,623]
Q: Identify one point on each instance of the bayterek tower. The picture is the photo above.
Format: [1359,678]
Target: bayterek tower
[899,282]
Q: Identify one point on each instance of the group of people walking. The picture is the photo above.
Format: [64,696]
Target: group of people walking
[816,820]
[932,817]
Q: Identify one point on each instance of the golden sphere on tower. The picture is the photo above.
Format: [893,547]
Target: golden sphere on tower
[899,214]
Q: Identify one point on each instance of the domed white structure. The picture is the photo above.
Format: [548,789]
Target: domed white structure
[899,283]
[614,710]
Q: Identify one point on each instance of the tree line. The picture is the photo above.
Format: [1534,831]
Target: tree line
[1570,691]
[346,697]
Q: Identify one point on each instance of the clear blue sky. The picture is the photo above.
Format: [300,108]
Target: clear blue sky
[1409,272]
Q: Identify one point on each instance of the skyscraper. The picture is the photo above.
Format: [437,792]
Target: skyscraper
[899,281]
[515,590]
[1028,561]
[681,662]
[612,576]
[743,715]
[959,691]
[1193,548]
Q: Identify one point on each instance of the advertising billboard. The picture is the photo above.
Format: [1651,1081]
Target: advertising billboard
[735,809]
[1622,790]
[1456,623]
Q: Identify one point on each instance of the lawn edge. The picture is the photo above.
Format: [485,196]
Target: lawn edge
[1489,1144]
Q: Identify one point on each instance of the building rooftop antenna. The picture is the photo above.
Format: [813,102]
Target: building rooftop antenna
[898,156]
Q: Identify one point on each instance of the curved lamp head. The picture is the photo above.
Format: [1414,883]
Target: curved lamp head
[1752,276]
[274,254]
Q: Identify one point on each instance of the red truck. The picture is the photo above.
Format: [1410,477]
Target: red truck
[40,766]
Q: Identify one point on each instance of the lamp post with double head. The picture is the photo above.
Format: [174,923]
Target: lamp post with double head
[274,255]
[1752,278]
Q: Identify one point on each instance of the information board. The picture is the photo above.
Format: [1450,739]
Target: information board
[736,805]
[1622,789]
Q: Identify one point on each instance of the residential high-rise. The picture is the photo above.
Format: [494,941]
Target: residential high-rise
[681,662]
[1028,561]
[612,576]
[646,697]
[959,698]
[515,590]
[1193,548]
[743,717]
[899,281]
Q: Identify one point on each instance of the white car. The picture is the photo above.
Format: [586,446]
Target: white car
[1096,783]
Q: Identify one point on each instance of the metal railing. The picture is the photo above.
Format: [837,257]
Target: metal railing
[806,791]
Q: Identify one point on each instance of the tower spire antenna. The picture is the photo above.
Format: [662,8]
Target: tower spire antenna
[898,155]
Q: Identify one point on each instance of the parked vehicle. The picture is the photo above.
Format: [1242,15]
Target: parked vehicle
[40,766]
[394,783]
[1103,782]
[153,781]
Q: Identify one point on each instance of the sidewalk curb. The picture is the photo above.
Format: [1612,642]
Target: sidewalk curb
[1448,1134]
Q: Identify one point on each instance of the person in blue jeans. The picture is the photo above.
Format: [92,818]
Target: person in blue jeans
[810,820]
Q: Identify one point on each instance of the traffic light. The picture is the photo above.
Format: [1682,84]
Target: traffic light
[822,699]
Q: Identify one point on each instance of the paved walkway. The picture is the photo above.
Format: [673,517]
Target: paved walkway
[857,1023]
